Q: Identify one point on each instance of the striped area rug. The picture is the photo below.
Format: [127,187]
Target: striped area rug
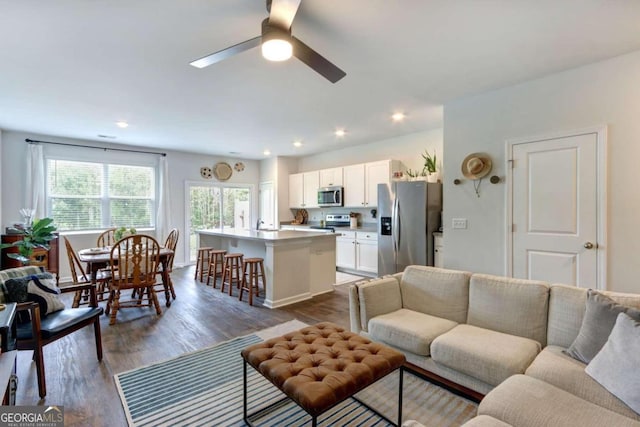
[204,388]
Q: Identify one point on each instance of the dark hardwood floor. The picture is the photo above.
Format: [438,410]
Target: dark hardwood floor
[199,317]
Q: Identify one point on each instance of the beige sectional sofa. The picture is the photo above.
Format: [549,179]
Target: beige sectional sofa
[498,336]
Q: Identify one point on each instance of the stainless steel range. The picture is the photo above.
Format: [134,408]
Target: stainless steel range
[332,221]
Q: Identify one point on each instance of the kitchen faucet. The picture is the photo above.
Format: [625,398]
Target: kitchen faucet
[258,223]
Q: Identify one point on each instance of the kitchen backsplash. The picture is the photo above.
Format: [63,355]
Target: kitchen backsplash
[365,217]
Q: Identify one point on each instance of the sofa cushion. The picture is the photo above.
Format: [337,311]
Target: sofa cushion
[617,366]
[525,401]
[513,306]
[436,291]
[378,297]
[556,368]
[484,354]
[566,310]
[599,318]
[409,330]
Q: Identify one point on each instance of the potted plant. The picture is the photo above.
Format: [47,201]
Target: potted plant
[122,232]
[36,235]
[430,166]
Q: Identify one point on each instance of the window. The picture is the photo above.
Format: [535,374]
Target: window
[89,196]
[217,207]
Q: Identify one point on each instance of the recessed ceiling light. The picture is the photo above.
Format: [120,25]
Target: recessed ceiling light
[122,124]
[266,152]
[106,136]
[340,132]
[398,117]
[297,143]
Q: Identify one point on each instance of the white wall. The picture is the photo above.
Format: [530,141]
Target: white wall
[604,93]
[183,167]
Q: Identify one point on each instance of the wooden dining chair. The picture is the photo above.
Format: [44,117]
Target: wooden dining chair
[134,265]
[80,277]
[107,238]
[170,243]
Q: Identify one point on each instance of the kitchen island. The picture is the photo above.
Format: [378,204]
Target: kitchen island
[298,264]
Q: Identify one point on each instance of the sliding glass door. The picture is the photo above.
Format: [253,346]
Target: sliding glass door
[216,206]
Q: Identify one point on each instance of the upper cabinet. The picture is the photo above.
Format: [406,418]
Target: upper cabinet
[361,182]
[353,185]
[296,190]
[331,177]
[303,190]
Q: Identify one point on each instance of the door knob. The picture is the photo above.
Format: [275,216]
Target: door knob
[589,245]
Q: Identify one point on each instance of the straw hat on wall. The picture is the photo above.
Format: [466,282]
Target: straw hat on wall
[476,166]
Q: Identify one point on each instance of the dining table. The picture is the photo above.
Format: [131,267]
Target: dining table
[97,259]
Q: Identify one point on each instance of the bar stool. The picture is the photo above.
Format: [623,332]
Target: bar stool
[252,283]
[203,257]
[232,270]
[216,258]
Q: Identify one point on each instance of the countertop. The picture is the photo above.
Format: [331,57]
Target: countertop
[266,235]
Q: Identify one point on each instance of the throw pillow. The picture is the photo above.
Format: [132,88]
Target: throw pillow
[616,366]
[40,288]
[599,319]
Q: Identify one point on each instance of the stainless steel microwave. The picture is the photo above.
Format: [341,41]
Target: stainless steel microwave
[330,196]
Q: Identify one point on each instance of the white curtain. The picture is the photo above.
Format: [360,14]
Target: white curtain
[35,180]
[163,218]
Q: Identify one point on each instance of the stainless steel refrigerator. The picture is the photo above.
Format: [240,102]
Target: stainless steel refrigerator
[408,214]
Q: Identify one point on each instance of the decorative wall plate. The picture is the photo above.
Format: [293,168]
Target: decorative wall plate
[206,172]
[239,166]
[222,171]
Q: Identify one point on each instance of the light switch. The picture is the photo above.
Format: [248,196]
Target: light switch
[460,223]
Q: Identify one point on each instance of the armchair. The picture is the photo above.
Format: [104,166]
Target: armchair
[42,330]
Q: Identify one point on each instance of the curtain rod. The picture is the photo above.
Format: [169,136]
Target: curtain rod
[35,141]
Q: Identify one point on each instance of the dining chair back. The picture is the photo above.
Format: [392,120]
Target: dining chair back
[79,277]
[134,264]
[107,238]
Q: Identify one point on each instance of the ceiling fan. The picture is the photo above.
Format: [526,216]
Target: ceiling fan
[278,44]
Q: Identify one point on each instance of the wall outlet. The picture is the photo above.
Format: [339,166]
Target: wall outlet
[459,223]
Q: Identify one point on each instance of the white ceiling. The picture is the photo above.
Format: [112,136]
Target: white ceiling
[72,68]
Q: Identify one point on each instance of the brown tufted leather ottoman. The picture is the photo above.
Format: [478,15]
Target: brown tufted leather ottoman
[320,366]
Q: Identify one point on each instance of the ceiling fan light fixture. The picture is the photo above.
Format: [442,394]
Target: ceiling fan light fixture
[277,50]
[276,42]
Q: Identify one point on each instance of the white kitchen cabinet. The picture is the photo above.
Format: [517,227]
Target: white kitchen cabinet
[357,251]
[361,182]
[303,190]
[353,181]
[296,191]
[438,250]
[331,177]
[345,250]
[367,252]
[311,182]
[375,173]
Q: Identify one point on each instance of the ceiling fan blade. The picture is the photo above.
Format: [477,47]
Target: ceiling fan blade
[282,12]
[225,53]
[316,61]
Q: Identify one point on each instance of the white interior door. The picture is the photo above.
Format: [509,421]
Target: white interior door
[555,206]
[267,205]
